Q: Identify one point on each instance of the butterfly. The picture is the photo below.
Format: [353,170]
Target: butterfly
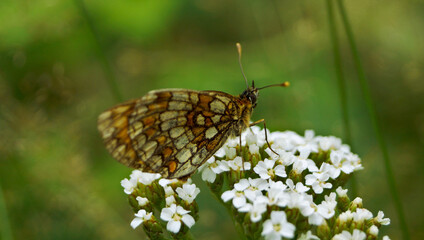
[174,131]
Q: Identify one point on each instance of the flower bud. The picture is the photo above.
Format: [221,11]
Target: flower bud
[372,232]
[323,230]
[356,203]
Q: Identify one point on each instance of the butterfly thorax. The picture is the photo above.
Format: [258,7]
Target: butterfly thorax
[245,104]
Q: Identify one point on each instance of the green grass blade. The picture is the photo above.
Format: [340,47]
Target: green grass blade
[110,76]
[374,119]
[341,83]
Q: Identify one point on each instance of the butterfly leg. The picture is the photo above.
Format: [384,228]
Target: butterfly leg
[266,135]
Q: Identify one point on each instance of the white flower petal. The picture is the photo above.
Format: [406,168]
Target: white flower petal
[304,153]
[129,185]
[317,188]
[142,201]
[267,227]
[168,191]
[380,218]
[242,185]
[341,192]
[278,216]
[259,183]
[287,230]
[188,192]
[227,195]
[245,208]
[315,219]
[181,211]
[170,200]
[310,179]
[188,220]
[373,230]
[165,182]
[141,213]
[280,171]
[167,213]
[173,226]
[253,149]
[231,153]
[136,222]
[208,175]
[222,166]
[301,188]
[148,178]
[239,201]
[277,185]
[220,153]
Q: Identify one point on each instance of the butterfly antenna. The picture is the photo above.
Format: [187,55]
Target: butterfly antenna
[284,84]
[239,59]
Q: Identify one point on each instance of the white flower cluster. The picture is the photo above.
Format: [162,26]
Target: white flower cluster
[292,151]
[291,189]
[172,213]
[287,179]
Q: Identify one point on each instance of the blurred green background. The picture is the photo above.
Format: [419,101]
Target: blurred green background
[58,58]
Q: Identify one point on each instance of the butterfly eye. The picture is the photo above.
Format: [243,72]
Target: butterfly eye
[252,99]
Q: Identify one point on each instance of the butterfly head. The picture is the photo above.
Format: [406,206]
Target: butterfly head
[251,94]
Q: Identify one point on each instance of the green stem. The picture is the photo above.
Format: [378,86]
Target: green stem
[237,225]
[110,76]
[375,122]
[341,83]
